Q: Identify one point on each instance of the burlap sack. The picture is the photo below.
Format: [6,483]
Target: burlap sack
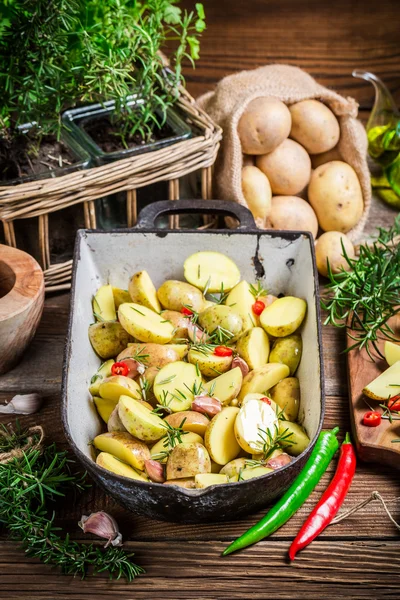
[290,84]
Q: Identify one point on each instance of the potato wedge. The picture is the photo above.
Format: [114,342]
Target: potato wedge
[117,385]
[210,364]
[103,304]
[392,352]
[220,439]
[162,448]
[102,372]
[234,467]
[221,316]
[151,355]
[187,483]
[142,291]
[253,347]
[139,421]
[187,460]
[284,316]
[180,349]
[287,351]
[252,472]
[241,300]
[108,339]
[175,295]
[211,270]
[225,387]
[144,324]
[386,385]
[262,379]
[256,425]
[114,423]
[297,439]
[120,296]
[109,462]
[203,480]
[104,407]
[194,421]
[286,394]
[123,446]
[176,384]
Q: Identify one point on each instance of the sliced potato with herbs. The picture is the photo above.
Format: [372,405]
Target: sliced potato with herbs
[223,317]
[241,301]
[109,462]
[151,355]
[286,394]
[123,446]
[287,351]
[392,352]
[140,421]
[203,480]
[144,324]
[293,438]
[209,363]
[225,387]
[261,380]
[108,339]
[176,385]
[117,385]
[252,472]
[104,407]
[256,426]
[161,449]
[193,421]
[211,271]
[220,437]
[253,347]
[120,296]
[386,385]
[187,460]
[142,291]
[175,295]
[284,316]
[104,305]
[102,372]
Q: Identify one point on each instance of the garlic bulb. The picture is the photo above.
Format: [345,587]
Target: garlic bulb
[22,404]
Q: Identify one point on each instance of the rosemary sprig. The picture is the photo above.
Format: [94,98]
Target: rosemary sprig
[258,290]
[273,441]
[222,295]
[220,335]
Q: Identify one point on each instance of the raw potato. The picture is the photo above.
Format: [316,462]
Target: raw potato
[117,385]
[180,349]
[392,352]
[105,407]
[314,126]
[125,447]
[139,421]
[286,394]
[335,195]
[220,438]
[109,462]
[256,419]
[151,355]
[187,483]
[240,300]
[253,347]
[234,467]
[108,339]
[225,387]
[163,446]
[329,247]
[114,423]
[248,160]
[103,304]
[144,324]
[287,351]
[174,386]
[320,159]
[283,316]
[187,460]
[252,472]
[210,364]
[120,296]
[175,295]
[102,372]
[293,213]
[257,192]
[211,270]
[142,291]
[180,323]
[262,379]
[221,316]
[386,385]
[288,168]
[204,480]
[265,123]
[298,440]
[194,422]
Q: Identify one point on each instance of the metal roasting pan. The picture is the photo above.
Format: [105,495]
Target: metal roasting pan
[285,263]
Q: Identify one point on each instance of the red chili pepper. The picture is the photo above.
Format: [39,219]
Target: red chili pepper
[331,500]
[223,351]
[266,400]
[394,403]
[120,368]
[258,307]
[186,311]
[372,418]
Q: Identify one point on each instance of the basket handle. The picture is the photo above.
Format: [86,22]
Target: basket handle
[150,213]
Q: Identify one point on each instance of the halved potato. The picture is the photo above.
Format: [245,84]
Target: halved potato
[125,447]
[142,291]
[105,407]
[109,462]
[176,384]
[140,421]
[120,296]
[203,480]
[117,385]
[210,364]
[108,338]
[286,394]
[194,421]
[256,426]
[251,472]
[234,467]
[151,355]
[225,387]
[261,380]
[144,324]
[241,300]
[103,304]
[288,351]
[297,440]
[102,372]
[220,437]
[392,352]
[161,449]
[211,271]
[253,347]
[284,316]
[386,385]
[187,460]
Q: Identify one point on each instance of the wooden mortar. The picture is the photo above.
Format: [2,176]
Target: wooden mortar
[21,303]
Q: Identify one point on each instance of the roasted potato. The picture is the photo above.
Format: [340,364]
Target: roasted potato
[176,385]
[262,379]
[203,480]
[193,421]
[102,372]
[225,387]
[253,347]
[256,425]
[240,300]
[140,421]
[286,394]
[297,439]
[120,296]
[161,449]
[221,316]
[180,323]
[210,364]
[104,407]
[220,439]
[142,291]
[151,355]
[123,446]
[104,305]
[109,462]
[117,385]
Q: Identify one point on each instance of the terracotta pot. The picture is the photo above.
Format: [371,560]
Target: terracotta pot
[21,304]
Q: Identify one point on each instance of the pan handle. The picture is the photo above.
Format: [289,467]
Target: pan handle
[150,213]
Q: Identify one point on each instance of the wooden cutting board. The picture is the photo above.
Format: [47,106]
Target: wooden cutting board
[373,443]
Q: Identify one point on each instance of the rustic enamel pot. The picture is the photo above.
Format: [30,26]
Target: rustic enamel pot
[285,263]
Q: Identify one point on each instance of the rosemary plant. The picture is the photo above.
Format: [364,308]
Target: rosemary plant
[365,297]
[30,484]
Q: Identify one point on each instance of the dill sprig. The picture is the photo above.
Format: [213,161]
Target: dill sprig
[366,296]
[30,486]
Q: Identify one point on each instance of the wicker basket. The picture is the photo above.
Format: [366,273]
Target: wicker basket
[37,199]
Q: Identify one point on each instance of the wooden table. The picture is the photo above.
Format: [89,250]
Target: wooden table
[358,558]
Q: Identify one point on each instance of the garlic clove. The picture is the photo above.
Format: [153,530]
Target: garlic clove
[196,334]
[135,367]
[242,364]
[206,405]
[104,525]
[154,470]
[279,461]
[22,404]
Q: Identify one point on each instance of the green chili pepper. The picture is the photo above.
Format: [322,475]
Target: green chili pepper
[296,495]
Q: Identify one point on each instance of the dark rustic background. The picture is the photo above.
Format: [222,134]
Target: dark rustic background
[358,558]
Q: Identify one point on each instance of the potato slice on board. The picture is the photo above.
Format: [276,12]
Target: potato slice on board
[386,385]
[392,352]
